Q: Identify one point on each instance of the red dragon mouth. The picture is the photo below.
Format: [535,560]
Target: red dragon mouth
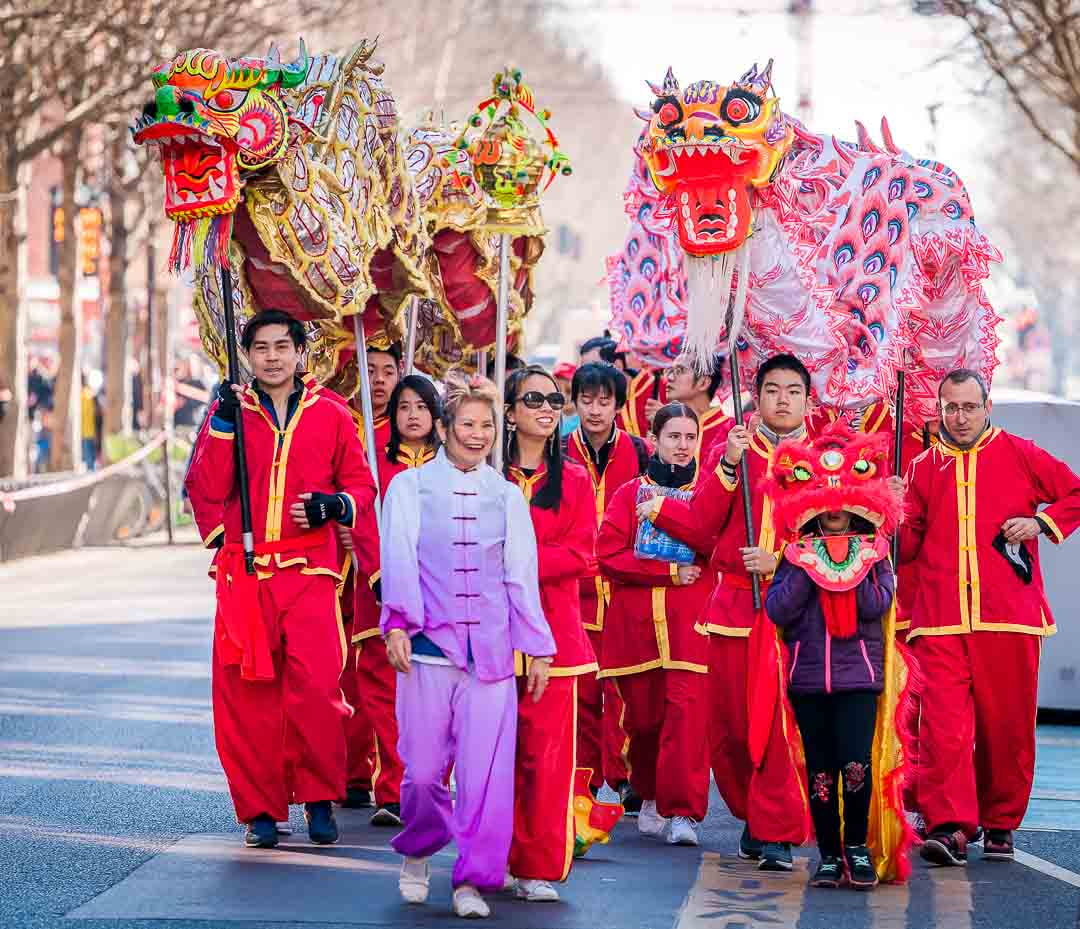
[712,194]
[201,174]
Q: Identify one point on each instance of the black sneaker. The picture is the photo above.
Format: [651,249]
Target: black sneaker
[945,848]
[322,827]
[775,856]
[860,867]
[998,845]
[261,832]
[630,801]
[389,814]
[749,847]
[356,798]
[830,873]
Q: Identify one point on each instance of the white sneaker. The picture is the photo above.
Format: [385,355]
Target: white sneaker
[509,883]
[682,830]
[468,904]
[649,821]
[536,892]
[414,880]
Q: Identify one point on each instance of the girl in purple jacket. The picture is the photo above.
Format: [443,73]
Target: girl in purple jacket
[830,593]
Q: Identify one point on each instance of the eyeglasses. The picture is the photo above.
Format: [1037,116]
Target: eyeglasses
[534,400]
[968,409]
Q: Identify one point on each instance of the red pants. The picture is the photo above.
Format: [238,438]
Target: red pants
[543,845]
[977,728]
[283,741]
[359,733]
[669,745]
[771,799]
[602,742]
[377,691]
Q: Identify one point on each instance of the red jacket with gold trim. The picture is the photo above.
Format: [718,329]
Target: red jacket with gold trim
[716,508]
[956,503]
[626,460]
[316,452]
[713,427]
[654,622]
[566,553]
[639,392]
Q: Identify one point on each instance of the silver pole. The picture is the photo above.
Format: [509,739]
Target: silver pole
[501,326]
[410,335]
[367,409]
[481,363]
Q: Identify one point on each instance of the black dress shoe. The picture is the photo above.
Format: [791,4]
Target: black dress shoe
[322,827]
[356,798]
[389,814]
[261,832]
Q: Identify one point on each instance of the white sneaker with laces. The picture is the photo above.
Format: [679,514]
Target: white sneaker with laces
[536,891]
[682,830]
[414,880]
[650,822]
[468,904]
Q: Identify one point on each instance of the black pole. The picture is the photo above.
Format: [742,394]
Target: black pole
[241,458]
[656,385]
[898,449]
[744,476]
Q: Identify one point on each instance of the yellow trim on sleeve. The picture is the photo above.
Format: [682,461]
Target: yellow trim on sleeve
[574,671]
[227,436]
[1047,520]
[631,669]
[374,578]
[733,632]
[352,503]
[673,568]
[359,637]
[213,535]
[729,485]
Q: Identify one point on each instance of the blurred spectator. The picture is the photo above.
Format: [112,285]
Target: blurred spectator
[92,416]
[5,396]
[39,387]
[564,374]
[191,395]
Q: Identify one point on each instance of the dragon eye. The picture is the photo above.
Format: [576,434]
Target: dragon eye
[863,468]
[801,473]
[669,113]
[740,107]
[227,100]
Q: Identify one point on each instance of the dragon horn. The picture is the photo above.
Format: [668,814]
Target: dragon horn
[764,79]
[643,114]
[865,142]
[273,58]
[656,91]
[750,76]
[844,154]
[886,135]
[671,86]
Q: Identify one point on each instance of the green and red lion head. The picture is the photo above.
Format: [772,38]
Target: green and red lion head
[213,117]
[707,147]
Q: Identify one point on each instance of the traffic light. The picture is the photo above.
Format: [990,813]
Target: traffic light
[89,240]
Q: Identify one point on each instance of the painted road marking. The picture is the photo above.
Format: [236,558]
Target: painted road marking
[1047,867]
[734,894]
[951,897]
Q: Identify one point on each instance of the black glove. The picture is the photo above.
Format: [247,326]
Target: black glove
[228,403]
[322,508]
[376,589]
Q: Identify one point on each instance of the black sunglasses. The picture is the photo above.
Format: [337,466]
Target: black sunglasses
[534,400]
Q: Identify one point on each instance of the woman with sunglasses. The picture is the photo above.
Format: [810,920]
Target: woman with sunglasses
[654,643]
[562,506]
[369,682]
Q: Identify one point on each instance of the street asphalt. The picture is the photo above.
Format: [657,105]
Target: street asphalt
[114,814]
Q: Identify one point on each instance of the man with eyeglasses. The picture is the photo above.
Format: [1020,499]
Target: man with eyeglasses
[973,522]
[686,384]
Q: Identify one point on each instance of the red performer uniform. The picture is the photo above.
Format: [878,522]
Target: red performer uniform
[976,627]
[278,644]
[771,797]
[639,392]
[655,648]
[602,739]
[373,681]
[713,428]
[543,845]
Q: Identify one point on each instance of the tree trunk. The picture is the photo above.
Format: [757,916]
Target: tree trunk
[66,432]
[13,427]
[116,322]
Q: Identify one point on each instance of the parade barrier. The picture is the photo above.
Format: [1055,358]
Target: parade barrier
[120,502]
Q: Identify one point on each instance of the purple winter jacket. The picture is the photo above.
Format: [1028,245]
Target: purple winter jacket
[820,662]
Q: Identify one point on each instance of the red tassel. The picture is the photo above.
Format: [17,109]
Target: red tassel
[841,615]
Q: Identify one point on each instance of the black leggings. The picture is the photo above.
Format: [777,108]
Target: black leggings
[838,735]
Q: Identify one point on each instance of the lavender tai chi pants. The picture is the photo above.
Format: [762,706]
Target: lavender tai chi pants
[446,716]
